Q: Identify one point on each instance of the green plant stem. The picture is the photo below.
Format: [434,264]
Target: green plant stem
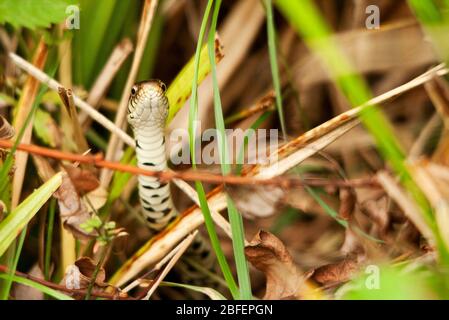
[193,114]
[104,251]
[271,32]
[235,219]
[30,283]
[49,238]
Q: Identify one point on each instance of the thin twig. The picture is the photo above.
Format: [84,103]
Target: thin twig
[184,245]
[198,175]
[24,108]
[264,104]
[120,295]
[157,267]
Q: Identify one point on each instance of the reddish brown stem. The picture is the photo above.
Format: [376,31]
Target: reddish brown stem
[119,296]
[98,161]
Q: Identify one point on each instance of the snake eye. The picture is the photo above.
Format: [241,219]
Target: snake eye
[133,90]
[163,87]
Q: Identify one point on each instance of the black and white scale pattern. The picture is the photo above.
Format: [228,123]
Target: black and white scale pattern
[147,113]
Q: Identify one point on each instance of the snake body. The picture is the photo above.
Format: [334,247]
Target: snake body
[147,113]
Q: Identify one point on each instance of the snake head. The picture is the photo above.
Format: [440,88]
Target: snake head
[148,104]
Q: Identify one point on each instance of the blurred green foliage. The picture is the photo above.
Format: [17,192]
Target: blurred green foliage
[33,14]
[103,24]
[409,282]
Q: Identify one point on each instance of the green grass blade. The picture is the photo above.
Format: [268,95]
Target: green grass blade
[271,32]
[51,292]
[193,115]
[235,219]
[95,16]
[20,216]
[49,238]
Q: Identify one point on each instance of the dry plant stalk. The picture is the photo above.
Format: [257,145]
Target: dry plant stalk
[182,248]
[24,108]
[407,204]
[66,96]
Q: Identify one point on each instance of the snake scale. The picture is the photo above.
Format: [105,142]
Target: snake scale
[147,112]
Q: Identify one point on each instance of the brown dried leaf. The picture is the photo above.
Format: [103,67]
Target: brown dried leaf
[72,210]
[338,272]
[87,268]
[84,180]
[347,203]
[79,276]
[284,279]
[6,130]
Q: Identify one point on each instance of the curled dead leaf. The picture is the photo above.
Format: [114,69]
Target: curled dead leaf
[72,210]
[79,276]
[84,180]
[338,272]
[284,279]
[347,203]
[87,268]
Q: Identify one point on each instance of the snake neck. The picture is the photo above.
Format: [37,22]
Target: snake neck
[155,196]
